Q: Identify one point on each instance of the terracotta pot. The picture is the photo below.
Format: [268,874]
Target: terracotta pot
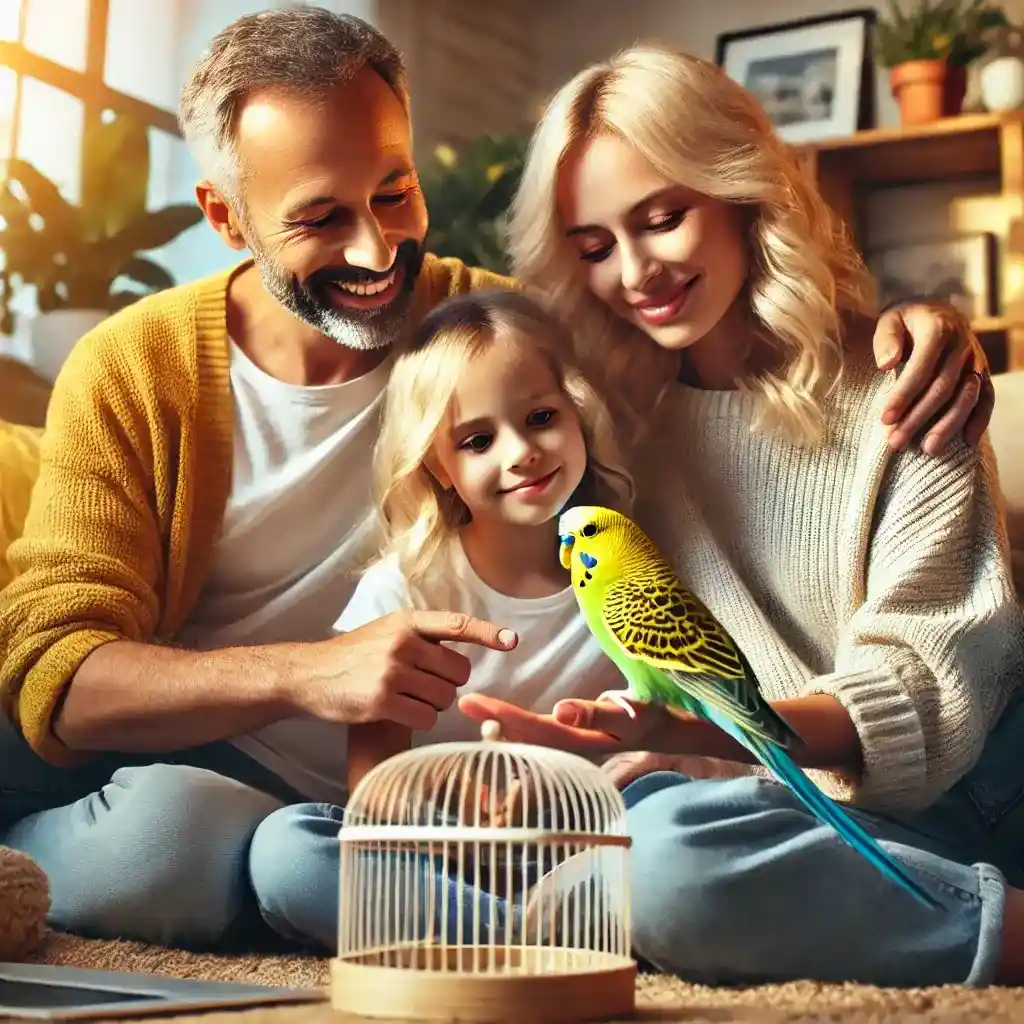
[925,90]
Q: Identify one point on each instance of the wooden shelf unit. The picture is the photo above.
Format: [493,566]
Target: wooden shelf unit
[971,146]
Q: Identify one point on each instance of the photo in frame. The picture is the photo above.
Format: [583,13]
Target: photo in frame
[812,76]
[960,269]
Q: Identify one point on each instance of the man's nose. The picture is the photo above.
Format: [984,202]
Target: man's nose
[368,248]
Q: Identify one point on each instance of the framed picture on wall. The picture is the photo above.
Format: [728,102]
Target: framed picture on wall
[959,269]
[813,76]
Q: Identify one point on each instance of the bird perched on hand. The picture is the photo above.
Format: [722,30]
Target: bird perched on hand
[672,651]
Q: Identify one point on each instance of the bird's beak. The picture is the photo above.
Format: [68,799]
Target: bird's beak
[565,550]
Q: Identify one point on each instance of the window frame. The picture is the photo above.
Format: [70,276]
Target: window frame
[88,85]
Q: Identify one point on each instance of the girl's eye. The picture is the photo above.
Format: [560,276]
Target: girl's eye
[477,443]
[666,221]
[540,418]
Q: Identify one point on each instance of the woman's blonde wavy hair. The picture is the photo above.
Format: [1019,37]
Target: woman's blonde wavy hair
[417,513]
[699,128]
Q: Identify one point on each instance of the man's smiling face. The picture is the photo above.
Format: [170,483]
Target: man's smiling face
[334,215]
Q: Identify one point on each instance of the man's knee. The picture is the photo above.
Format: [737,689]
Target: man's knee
[158,854]
[300,903]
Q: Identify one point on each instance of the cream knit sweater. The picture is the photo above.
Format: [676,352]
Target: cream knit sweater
[882,579]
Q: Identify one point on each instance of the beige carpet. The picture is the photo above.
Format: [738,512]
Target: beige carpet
[658,999]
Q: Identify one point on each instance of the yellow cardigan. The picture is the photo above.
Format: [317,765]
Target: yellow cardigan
[134,477]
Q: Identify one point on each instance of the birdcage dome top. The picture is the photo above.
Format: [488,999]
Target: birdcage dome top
[485,787]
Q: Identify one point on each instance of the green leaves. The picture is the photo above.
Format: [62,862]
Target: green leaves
[73,255]
[953,30]
[468,194]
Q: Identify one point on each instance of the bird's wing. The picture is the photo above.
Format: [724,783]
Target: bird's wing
[656,620]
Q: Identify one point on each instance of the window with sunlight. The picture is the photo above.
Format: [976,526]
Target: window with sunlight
[65,64]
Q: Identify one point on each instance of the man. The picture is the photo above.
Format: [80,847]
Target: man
[202,505]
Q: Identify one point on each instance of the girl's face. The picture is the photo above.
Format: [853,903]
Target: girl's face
[667,259]
[512,445]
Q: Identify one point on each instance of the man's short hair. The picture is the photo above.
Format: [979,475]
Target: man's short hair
[304,49]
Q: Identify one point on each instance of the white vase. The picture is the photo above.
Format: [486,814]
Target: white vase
[53,335]
[1002,83]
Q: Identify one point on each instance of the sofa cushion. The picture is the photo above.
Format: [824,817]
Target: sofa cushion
[19,466]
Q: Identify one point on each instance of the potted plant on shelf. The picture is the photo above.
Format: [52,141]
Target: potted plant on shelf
[927,51]
[84,261]
[468,194]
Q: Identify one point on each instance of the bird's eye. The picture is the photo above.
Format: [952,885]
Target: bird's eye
[589,530]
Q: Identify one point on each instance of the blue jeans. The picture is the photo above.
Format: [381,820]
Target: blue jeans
[192,851]
[731,880]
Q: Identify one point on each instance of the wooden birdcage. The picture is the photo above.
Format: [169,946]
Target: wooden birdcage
[481,882]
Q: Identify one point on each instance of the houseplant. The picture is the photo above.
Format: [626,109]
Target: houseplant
[84,261]
[468,194]
[927,51]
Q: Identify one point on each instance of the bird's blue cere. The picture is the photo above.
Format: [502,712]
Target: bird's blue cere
[566,540]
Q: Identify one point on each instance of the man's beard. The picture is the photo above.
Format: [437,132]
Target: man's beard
[365,330]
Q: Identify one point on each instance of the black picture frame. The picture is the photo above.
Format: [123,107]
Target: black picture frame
[859,113]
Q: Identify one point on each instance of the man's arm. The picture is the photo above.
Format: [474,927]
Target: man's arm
[136,697]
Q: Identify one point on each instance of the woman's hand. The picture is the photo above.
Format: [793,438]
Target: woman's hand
[584,727]
[944,388]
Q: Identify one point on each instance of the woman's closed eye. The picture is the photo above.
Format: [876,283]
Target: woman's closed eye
[666,221]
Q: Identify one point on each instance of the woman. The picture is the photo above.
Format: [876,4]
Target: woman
[870,590]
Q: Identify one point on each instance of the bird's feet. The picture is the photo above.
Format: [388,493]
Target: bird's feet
[620,699]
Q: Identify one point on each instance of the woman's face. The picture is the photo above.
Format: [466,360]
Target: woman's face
[663,257]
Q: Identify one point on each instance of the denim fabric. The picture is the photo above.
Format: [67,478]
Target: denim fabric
[732,880]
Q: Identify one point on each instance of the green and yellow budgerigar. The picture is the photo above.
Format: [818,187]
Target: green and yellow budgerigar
[673,651]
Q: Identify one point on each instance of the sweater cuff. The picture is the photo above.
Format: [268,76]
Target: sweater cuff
[890,733]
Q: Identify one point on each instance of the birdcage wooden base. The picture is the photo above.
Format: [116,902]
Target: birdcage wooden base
[518,984]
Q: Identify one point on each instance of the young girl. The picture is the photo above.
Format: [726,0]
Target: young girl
[488,431]
[871,591]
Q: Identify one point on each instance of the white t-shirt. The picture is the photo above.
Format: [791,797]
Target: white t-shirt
[298,524]
[556,657]
[298,529]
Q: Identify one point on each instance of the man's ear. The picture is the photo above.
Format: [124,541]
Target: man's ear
[220,215]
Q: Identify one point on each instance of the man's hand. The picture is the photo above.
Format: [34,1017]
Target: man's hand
[944,388]
[395,668]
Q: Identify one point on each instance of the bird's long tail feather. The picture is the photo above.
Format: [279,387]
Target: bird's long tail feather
[825,809]
[829,812]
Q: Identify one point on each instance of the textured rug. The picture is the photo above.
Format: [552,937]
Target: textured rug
[658,998]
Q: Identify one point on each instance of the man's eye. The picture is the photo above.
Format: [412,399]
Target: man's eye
[392,198]
[319,222]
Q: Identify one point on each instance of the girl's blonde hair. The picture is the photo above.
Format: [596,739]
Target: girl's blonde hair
[699,128]
[418,513]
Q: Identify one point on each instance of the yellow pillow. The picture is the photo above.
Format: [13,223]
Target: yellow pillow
[19,466]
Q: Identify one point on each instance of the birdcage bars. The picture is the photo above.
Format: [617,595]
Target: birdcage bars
[487,874]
